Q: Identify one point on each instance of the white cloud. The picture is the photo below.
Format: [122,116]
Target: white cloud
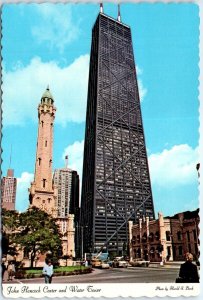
[174,167]
[142,89]
[24,86]
[22,197]
[56,27]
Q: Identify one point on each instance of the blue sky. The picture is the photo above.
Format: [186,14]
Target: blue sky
[50,44]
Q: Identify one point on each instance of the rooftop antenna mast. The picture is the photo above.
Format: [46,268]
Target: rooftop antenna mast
[66,161]
[10,157]
[119,14]
[101,8]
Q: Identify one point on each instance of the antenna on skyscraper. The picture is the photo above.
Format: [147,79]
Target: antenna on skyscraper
[119,14]
[10,157]
[66,161]
[101,7]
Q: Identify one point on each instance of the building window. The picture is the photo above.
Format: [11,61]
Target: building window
[168,252]
[25,253]
[180,250]
[44,183]
[50,162]
[45,143]
[194,234]
[49,200]
[144,238]
[179,236]
[151,237]
[42,122]
[43,201]
[189,248]
[168,236]
[152,252]
[196,249]
[188,235]
[157,236]
[139,252]
[39,161]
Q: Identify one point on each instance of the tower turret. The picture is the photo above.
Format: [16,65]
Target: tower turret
[42,192]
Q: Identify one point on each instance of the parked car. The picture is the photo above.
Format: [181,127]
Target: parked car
[96,263]
[105,265]
[139,262]
[110,262]
[119,262]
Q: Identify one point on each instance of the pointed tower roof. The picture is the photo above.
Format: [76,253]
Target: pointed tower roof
[47,94]
[47,97]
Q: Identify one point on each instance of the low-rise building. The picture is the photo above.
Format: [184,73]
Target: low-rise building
[165,239]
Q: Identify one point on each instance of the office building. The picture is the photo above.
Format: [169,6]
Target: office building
[116,184]
[8,190]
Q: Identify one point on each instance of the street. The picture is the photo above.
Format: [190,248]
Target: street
[114,275]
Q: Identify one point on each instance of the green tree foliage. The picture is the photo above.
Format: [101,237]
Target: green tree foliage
[36,231]
[10,223]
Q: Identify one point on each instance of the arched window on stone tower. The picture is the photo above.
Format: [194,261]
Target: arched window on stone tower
[44,183]
[39,161]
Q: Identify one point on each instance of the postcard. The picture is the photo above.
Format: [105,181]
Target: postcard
[101,146]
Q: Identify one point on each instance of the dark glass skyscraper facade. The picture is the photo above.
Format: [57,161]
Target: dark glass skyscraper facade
[116,183]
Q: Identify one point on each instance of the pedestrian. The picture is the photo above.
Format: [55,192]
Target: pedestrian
[11,271]
[3,269]
[188,271]
[48,271]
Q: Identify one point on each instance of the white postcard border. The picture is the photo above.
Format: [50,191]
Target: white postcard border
[119,290]
[100,290]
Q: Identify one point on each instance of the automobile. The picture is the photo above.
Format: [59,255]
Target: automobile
[96,263]
[105,265]
[119,262]
[110,262]
[139,262]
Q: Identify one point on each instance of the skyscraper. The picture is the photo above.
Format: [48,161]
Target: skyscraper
[63,181]
[8,190]
[67,183]
[116,183]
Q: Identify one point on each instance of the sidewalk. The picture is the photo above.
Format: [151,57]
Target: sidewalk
[168,264]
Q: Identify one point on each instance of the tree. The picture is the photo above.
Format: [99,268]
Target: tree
[38,233]
[10,224]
